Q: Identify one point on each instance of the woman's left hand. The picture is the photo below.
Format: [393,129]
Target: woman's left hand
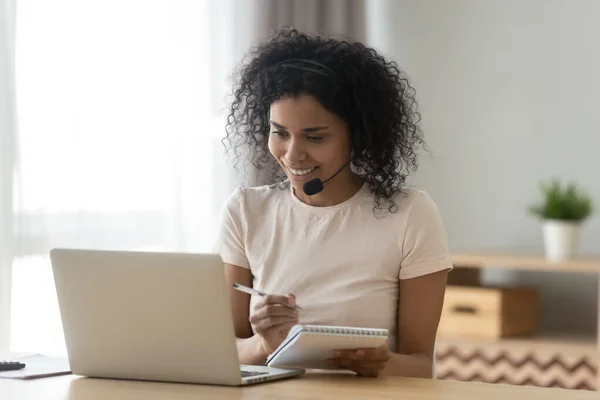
[365,362]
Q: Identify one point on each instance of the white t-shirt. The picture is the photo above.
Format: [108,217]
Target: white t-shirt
[342,262]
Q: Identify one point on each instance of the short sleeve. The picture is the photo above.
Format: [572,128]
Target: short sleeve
[425,247]
[230,238]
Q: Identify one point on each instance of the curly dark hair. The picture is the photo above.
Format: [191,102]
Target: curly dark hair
[371,94]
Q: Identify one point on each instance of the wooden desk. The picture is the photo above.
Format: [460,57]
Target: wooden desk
[309,386]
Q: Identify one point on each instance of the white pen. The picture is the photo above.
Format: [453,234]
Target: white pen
[255,292]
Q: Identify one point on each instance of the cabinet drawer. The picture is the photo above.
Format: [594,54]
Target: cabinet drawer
[489,312]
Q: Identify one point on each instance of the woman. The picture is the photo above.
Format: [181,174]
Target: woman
[359,250]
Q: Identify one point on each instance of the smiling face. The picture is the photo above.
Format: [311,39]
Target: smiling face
[310,142]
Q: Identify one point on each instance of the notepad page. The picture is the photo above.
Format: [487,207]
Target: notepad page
[312,349]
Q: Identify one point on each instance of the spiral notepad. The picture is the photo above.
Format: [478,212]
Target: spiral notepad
[309,346]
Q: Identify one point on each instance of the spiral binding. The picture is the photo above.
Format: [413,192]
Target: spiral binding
[341,330]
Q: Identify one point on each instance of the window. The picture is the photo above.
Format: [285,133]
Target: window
[117,141]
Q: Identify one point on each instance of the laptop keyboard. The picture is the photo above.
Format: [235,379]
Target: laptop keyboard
[246,374]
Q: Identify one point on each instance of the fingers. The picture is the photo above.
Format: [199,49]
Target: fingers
[365,362]
[353,364]
[269,311]
[361,367]
[282,327]
[276,299]
[275,311]
[268,316]
[264,324]
[273,317]
[379,354]
[275,314]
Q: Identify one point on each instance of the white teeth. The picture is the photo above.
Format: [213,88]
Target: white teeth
[300,172]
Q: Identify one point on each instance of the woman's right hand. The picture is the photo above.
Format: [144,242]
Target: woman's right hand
[272,318]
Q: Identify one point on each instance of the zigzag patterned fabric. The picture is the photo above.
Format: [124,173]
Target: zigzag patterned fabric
[528,368]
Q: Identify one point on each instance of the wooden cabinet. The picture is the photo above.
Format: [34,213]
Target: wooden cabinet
[492,334]
[489,311]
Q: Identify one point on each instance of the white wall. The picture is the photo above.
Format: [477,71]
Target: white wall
[510,95]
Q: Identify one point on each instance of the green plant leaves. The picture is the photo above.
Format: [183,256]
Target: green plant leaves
[563,202]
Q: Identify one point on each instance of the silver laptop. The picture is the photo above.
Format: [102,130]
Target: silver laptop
[150,316]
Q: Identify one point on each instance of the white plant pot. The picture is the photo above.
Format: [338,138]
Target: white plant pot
[561,239]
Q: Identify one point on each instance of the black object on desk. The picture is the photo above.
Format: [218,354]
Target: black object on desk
[11,365]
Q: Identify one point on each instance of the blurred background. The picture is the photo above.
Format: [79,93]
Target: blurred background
[112,112]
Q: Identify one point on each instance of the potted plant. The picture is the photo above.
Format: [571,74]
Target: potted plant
[563,210]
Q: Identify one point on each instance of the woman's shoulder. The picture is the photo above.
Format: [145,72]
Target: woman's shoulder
[255,196]
[410,200]
[420,212]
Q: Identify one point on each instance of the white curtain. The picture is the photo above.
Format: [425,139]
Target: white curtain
[7,145]
[120,107]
